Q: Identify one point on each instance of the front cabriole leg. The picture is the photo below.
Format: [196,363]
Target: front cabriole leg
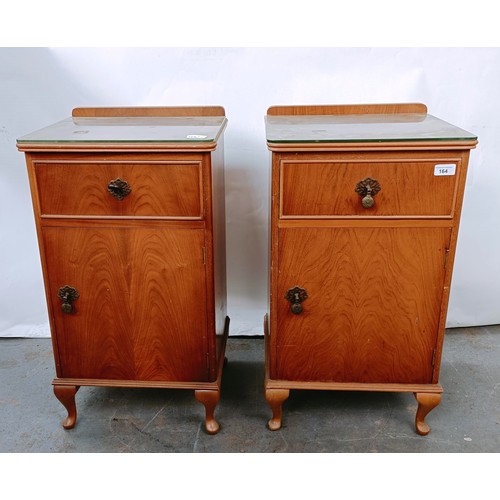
[209,399]
[427,401]
[66,395]
[275,398]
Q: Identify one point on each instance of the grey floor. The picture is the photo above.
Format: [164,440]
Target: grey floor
[154,420]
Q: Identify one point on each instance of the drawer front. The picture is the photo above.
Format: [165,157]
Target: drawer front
[92,189]
[327,189]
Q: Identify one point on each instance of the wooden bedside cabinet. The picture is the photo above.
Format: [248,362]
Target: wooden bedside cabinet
[129,210]
[365,210]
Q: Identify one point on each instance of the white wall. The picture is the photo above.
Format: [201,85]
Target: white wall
[40,86]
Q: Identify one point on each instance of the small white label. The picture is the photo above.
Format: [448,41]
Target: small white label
[195,136]
[445,169]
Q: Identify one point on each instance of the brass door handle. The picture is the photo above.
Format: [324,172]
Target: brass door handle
[119,188]
[295,296]
[367,188]
[67,295]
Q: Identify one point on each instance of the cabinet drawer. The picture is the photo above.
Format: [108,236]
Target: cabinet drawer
[410,188]
[93,188]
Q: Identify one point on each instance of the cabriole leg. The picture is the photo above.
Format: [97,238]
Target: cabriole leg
[275,398]
[66,395]
[209,399]
[426,402]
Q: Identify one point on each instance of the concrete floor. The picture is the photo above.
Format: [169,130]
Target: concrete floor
[155,420]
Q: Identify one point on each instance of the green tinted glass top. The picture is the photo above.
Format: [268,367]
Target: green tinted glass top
[361,128]
[130,129]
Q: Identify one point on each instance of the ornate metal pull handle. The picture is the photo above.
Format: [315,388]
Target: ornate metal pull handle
[119,188]
[67,295]
[296,295]
[367,188]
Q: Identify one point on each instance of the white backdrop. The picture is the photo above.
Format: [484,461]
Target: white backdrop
[39,86]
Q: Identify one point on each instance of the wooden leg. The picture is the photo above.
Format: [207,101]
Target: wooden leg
[275,398]
[426,402]
[209,399]
[66,395]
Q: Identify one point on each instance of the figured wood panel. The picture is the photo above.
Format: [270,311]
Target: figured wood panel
[327,188]
[160,189]
[141,314]
[373,310]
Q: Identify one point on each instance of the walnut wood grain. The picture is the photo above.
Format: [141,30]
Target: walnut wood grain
[158,384]
[171,188]
[142,309]
[371,316]
[325,188]
[348,109]
[148,111]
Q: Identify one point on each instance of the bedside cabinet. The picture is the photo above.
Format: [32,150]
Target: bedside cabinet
[129,211]
[365,210]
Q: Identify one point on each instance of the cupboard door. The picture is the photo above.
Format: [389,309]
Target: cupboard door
[141,311]
[373,305]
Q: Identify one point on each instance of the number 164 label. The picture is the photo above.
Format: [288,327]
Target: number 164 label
[445,169]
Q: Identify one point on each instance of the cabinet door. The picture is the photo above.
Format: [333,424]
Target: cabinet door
[373,306]
[141,312]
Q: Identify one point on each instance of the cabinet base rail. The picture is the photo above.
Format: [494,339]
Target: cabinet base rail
[277,391]
[207,393]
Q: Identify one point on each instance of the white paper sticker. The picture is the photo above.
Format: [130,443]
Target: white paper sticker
[445,169]
[195,136]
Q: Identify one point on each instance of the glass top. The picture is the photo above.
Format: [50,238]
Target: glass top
[130,129]
[361,128]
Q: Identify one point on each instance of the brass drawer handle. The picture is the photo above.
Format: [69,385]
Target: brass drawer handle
[296,295]
[67,295]
[119,188]
[367,188]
